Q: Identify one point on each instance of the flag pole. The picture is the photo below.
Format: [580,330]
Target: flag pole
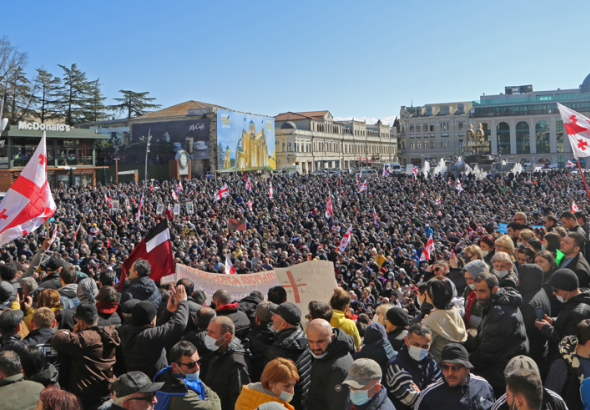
[583,178]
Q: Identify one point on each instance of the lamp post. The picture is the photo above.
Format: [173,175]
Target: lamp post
[147,150]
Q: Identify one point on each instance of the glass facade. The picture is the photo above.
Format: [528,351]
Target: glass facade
[559,129]
[542,137]
[527,109]
[503,134]
[523,138]
[59,152]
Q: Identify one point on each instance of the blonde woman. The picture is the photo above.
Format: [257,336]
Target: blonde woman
[504,244]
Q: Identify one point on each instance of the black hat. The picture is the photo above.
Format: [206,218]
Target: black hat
[288,311]
[143,313]
[54,264]
[565,279]
[134,382]
[397,317]
[6,290]
[129,305]
[10,319]
[87,312]
[455,353]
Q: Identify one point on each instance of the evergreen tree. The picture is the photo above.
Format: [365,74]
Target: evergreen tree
[134,104]
[96,110]
[75,96]
[49,88]
[21,98]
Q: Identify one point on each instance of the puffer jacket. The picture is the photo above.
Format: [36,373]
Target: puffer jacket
[500,337]
[260,338]
[16,393]
[292,344]
[376,346]
[141,289]
[379,401]
[92,354]
[240,319]
[253,395]
[349,327]
[533,296]
[326,391]
[228,371]
[447,327]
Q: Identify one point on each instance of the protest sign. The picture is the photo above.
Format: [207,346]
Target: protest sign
[503,228]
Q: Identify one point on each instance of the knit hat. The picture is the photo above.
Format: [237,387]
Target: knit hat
[397,317]
[565,279]
[143,313]
[476,267]
[87,290]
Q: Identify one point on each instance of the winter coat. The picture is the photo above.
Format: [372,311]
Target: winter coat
[402,371]
[580,267]
[509,281]
[42,339]
[447,327]
[144,348]
[349,327]
[248,305]
[253,395]
[533,296]
[69,296]
[476,394]
[379,401]
[472,316]
[175,394]
[376,346]
[458,278]
[142,289]
[260,338]
[292,344]
[92,354]
[500,337]
[396,338]
[47,376]
[326,391]
[107,314]
[551,401]
[16,393]
[227,372]
[240,319]
[573,311]
[50,281]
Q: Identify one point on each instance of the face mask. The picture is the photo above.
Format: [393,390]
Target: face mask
[319,356]
[390,276]
[349,274]
[472,286]
[485,253]
[560,298]
[210,343]
[543,246]
[193,376]
[286,396]
[359,397]
[501,273]
[354,285]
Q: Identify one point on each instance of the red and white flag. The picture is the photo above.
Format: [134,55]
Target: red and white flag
[168,212]
[229,268]
[179,187]
[155,248]
[345,239]
[249,204]
[437,202]
[105,198]
[415,170]
[222,193]
[577,128]
[270,191]
[28,202]
[174,196]
[361,173]
[569,164]
[152,186]
[77,230]
[110,200]
[357,181]
[54,235]
[575,207]
[363,187]
[248,184]
[329,210]
[459,187]
[428,250]
[386,171]
[139,209]
[375,217]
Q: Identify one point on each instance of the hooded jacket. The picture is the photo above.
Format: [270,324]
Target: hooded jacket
[533,296]
[396,337]
[69,295]
[260,337]
[379,401]
[292,344]
[16,393]
[228,371]
[326,391]
[500,337]
[92,354]
[240,319]
[349,327]
[248,305]
[143,289]
[47,376]
[573,311]
[447,327]
[176,395]
[376,346]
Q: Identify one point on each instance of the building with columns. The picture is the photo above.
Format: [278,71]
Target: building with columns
[314,141]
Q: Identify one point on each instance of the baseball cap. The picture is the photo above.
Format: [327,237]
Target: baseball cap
[134,382]
[87,311]
[362,372]
[455,353]
[6,290]
[55,264]
[263,311]
[521,362]
[10,319]
[288,311]
[143,313]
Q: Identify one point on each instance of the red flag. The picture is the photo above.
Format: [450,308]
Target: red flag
[168,212]
[329,211]
[174,196]
[152,186]
[270,191]
[110,200]
[428,250]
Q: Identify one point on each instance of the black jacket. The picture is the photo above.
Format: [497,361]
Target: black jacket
[292,344]
[248,305]
[379,401]
[551,401]
[458,278]
[396,338]
[227,372]
[260,338]
[326,391]
[47,376]
[533,296]
[106,319]
[376,346]
[581,267]
[51,281]
[240,319]
[500,337]
[141,289]
[144,348]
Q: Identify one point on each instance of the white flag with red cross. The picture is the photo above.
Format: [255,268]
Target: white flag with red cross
[375,217]
[329,210]
[139,209]
[270,191]
[428,249]
[174,196]
[577,128]
[28,202]
[221,193]
[569,164]
[152,186]
[575,207]
[363,187]
[229,268]
[459,187]
[249,204]
[248,184]
[179,187]
[386,171]
[345,240]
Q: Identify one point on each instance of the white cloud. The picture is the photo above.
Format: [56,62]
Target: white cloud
[387,120]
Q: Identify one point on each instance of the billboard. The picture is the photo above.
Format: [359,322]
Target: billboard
[245,141]
[189,135]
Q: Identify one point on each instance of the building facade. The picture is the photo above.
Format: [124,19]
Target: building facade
[312,141]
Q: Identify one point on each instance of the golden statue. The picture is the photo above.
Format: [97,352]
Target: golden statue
[252,151]
[227,160]
[470,135]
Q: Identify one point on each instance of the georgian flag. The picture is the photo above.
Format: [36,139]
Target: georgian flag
[569,164]
[105,198]
[577,128]
[415,170]
[156,248]
[437,202]
[345,239]
[222,193]
[249,204]
[329,210]
[248,184]
[357,181]
[459,187]
[77,230]
[229,268]
[428,250]
[28,202]
[168,212]
[139,209]
[174,196]
[575,207]
[152,186]
[54,235]
[179,187]
[110,200]
[363,186]
[375,217]
[270,190]
[386,171]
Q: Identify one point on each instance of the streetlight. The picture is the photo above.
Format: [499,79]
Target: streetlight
[147,150]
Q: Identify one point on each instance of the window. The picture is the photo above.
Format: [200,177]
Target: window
[542,137]
[559,135]
[444,145]
[418,145]
[523,138]
[428,110]
[432,145]
[431,127]
[412,145]
[444,110]
[460,143]
[418,128]
[561,161]
[289,147]
[425,127]
[503,134]
[283,147]
[411,128]
[444,126]
[460,109]
[460,125]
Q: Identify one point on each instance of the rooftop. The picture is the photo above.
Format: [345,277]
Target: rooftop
[179,109]
[310,115]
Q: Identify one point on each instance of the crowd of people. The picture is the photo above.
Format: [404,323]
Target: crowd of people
[434,306]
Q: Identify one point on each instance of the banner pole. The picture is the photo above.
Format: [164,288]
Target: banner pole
[583,179]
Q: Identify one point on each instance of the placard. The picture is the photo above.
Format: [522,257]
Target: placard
[503,228]
[176,210]
[190,208]
[159,209]
[116,205]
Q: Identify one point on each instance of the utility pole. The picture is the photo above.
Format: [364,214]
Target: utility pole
[147,150]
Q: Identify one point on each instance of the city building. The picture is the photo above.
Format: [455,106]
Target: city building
[311,141]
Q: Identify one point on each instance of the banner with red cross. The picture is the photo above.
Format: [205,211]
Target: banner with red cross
[577,128]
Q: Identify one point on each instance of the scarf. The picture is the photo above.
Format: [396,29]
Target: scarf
[107,307]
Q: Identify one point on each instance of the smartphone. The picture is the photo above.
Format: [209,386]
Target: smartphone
[540,313]
[20,293]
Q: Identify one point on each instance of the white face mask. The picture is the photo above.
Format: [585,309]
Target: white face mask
[319,356]
[485,253]
[561,298]
[210,343]
[418,354]
[471,286]
[501,273]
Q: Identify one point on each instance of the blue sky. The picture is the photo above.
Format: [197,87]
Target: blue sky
[356,59]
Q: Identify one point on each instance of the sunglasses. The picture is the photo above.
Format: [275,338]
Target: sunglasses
[455,368]
[148,397]
[190,365]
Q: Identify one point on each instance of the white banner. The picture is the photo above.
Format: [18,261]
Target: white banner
[304,282]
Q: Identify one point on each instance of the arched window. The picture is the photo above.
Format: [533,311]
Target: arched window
[503,134]
[542,137]
[559,135]
[523,138]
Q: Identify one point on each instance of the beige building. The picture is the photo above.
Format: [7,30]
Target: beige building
[314,141]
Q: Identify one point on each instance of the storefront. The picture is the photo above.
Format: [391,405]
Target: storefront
[69,151]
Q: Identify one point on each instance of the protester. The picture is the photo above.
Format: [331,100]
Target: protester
[339,302]
[138,285]
[16,393]
[376,346]
[261,336]
[224,307]
[55,399]
[472,316]
[366,391]
[396,322]
[134,390]
[36,368]
[572,246]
